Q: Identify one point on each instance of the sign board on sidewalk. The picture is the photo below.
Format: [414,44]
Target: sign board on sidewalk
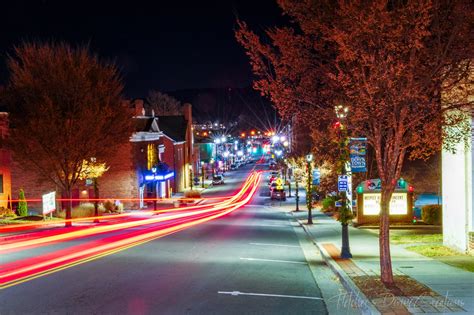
[49,202]
[398,204]
[342,183]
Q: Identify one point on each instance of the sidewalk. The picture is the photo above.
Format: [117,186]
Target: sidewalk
[455,287]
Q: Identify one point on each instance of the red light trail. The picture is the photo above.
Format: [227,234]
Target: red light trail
[152,228]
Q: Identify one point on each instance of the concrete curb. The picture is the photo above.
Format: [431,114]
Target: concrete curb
[356,296]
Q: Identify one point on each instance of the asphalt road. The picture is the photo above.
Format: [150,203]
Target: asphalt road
[248,262]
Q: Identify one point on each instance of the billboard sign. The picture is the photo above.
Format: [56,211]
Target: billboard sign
[398,204]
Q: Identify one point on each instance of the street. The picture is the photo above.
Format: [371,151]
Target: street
[247,262]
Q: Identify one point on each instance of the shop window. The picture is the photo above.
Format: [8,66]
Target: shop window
[152,158]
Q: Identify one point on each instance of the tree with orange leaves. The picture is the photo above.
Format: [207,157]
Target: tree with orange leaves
[389,61]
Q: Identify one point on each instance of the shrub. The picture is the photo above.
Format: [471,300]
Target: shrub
[432,214]
[22,205]
[111,206]
[328,204]
[192,194]
[82,211]
[6,212]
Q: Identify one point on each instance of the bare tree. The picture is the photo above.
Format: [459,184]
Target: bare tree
[65,107]
[163,104]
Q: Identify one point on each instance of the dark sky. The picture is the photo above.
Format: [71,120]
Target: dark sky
[165,45]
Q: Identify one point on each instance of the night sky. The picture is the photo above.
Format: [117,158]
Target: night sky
[164,45]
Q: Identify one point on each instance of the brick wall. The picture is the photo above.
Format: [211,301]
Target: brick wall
[5,161]
[122,178]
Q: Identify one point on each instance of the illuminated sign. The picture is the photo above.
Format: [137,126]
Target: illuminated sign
[398,204]
[49,202]
[159,176]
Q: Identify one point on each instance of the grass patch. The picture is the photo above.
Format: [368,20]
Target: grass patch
[416,238]
[27,219]
[445,255]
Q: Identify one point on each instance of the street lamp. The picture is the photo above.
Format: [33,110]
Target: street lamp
[155,188]
[344,215]
[191,175]
[217,141]
[309,195]
[202,174]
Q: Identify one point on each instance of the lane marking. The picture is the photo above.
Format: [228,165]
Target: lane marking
[280,245]
[237,293]
[273,260]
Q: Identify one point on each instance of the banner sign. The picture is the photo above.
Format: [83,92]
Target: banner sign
[357,151]
[49,202]
[316,177]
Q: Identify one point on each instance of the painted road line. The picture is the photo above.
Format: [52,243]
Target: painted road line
[273,260]
[237,293]
[280,245]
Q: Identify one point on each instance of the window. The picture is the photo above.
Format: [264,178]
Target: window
[152,158]
[1,183]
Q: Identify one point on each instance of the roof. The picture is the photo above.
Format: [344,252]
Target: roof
[174,127]
[145,124]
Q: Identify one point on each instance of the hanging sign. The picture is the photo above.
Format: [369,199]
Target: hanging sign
[357,152]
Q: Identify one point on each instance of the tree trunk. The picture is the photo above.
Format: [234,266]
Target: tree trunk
[68,207]
[96,200]
[386,273]
[345,250]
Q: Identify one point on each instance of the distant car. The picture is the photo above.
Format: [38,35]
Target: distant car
[233,166]
[278,194]
[275,173]
[272,186]
[218,180]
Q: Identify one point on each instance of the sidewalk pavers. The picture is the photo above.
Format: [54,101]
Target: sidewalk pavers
[453,287]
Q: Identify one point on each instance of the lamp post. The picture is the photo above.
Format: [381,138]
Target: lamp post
[309,195]
[155,189]
[344,213]
[191,175]
[202,174]
[216,142]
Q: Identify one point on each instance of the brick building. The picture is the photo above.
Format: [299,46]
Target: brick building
[5,160]
[155,162]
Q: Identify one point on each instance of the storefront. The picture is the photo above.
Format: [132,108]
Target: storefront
[155,186]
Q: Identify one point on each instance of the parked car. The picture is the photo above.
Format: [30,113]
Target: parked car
[233,166]
[278,194]
[218,180]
